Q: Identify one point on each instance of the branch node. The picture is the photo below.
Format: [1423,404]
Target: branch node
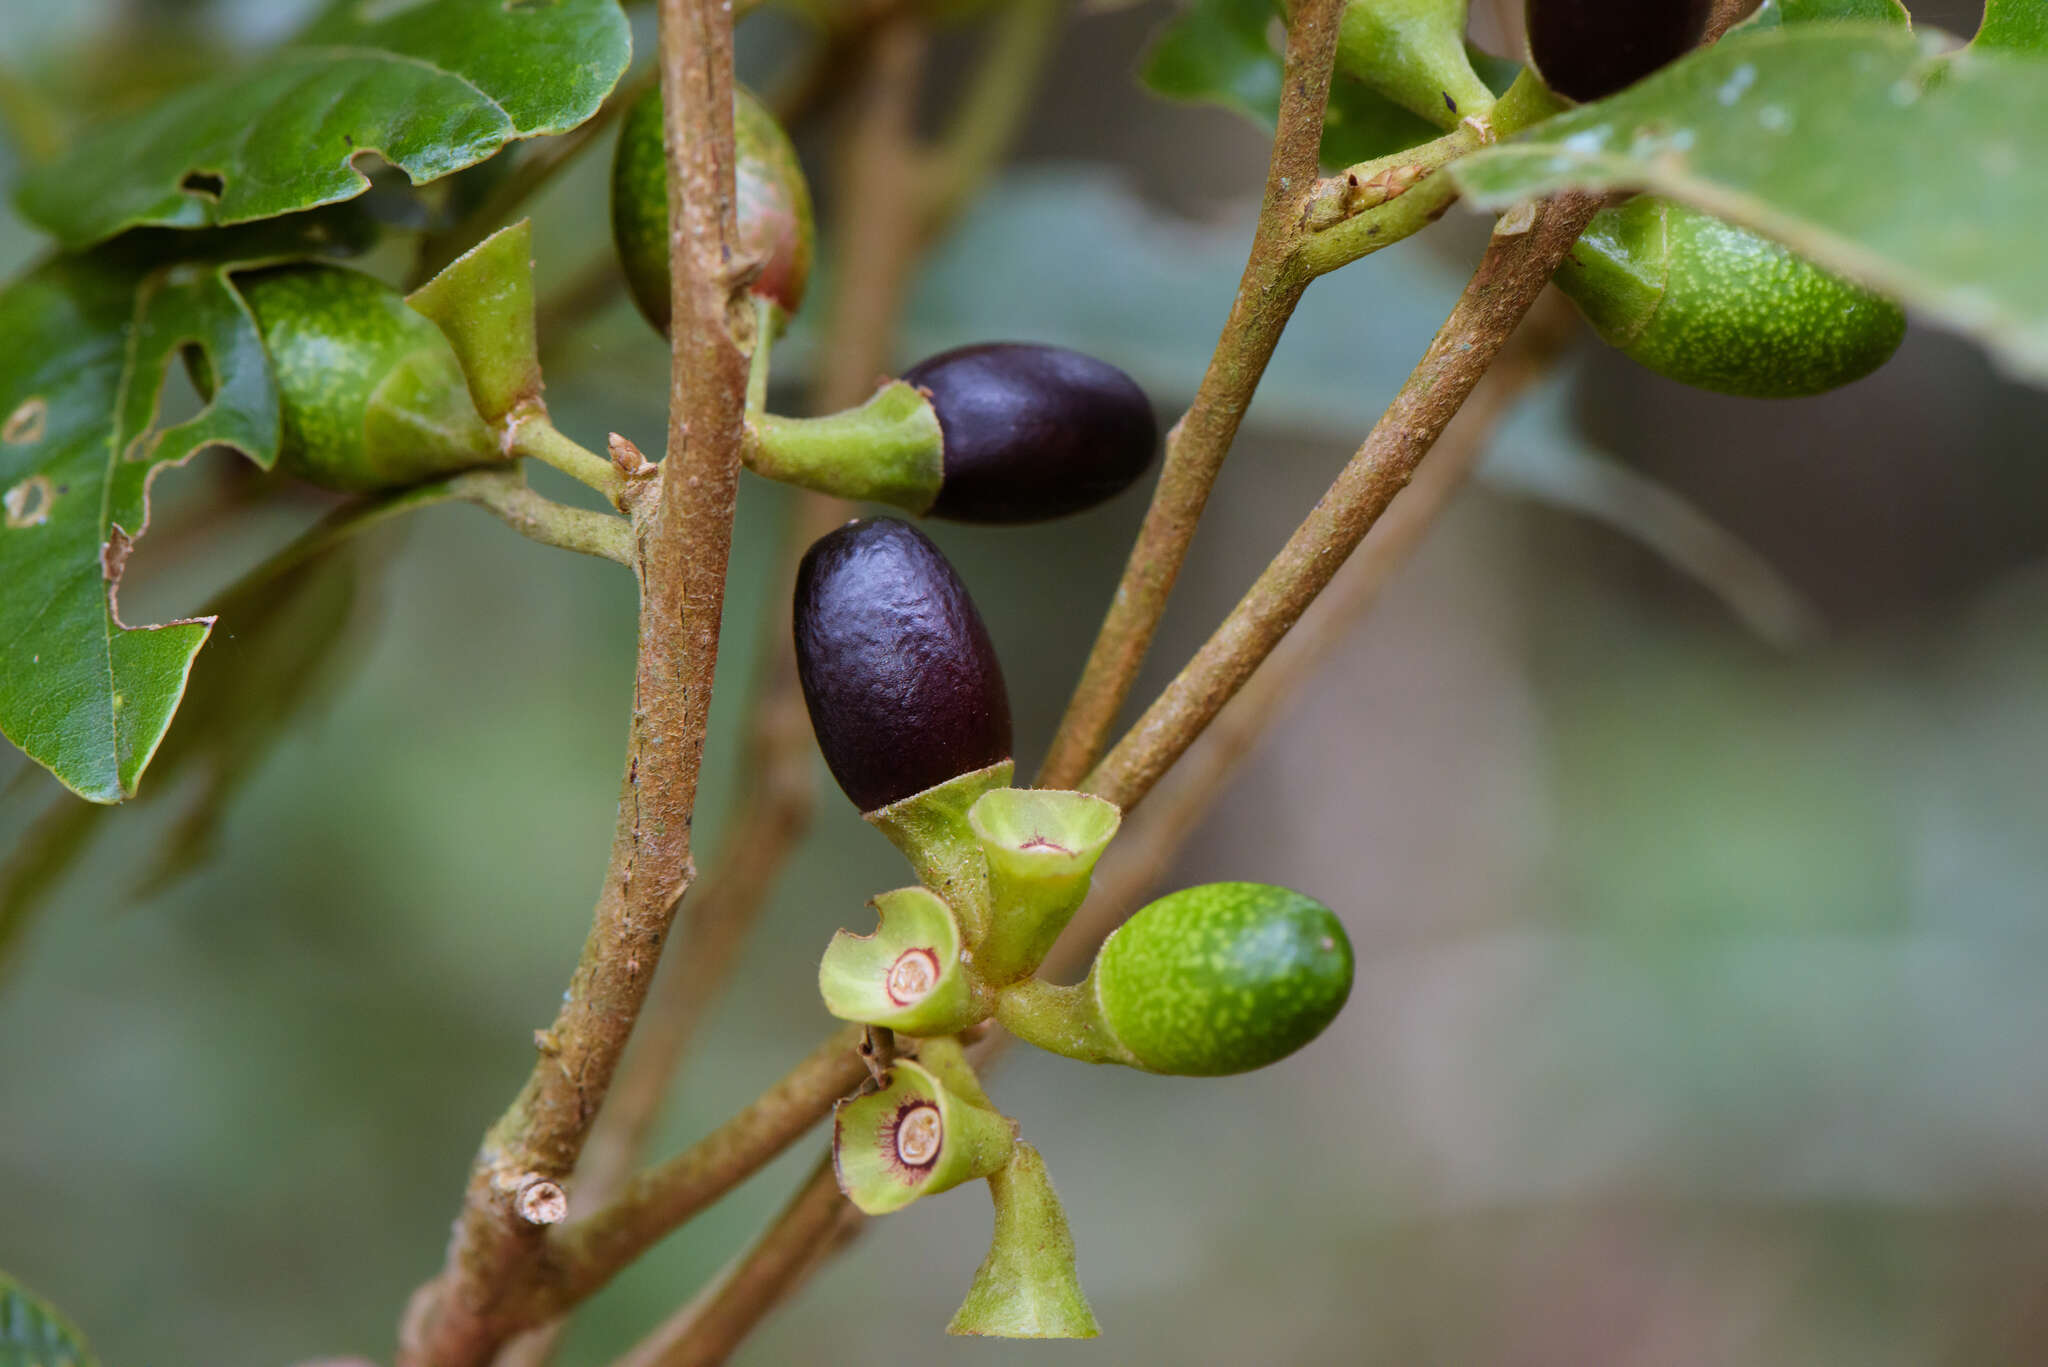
[541,1202]
[626,456]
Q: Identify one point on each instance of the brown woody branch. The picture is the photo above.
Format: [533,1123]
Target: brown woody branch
[683,537]
[705,1332]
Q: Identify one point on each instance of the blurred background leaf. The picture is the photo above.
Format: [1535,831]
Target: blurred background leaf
[32,1334]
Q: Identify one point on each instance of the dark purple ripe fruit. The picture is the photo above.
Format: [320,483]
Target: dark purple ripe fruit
[898,672]
[1033,432]
[1588,49]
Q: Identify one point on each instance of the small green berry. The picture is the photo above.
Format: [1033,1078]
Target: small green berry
[370,391]
[1223,978]
[1712,305]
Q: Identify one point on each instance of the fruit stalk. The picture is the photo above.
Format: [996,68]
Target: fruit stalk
[1413,52]
[1026,1287]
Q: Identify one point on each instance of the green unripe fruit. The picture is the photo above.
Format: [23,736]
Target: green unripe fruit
[1709,304]
[773,207]
[1222,978]
[370,392]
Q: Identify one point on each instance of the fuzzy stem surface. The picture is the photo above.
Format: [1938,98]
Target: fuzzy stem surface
[489,1284]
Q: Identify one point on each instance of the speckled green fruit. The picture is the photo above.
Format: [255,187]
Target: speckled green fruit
[1222,978]
[371,394]
[774,207]
[1715,306]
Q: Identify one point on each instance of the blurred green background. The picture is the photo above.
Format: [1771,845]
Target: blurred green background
[1699,1015]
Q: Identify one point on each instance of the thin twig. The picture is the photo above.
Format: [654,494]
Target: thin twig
[683,539]
[835,58]
[882,193]
[532,435]
[769,823]
[504,492]
[766,827]
[1271,286]
[590,1251]
[705,1332]
[1516,267]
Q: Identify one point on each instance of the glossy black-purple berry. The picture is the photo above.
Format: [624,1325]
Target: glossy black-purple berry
[1033,432]
[898,672]
[1588,49]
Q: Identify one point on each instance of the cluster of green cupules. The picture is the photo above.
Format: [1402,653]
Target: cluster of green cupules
[910,710]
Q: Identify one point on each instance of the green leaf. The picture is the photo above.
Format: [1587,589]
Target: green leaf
[33,1334]
[1220,52]
[430,86]
[2015,25]
[84,345]
[1360,125]
[1777,13]
[1913,173]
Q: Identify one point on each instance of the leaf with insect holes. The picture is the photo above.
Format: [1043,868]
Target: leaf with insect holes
[430,86]
[84,343]
[1854,145]
[33,1334]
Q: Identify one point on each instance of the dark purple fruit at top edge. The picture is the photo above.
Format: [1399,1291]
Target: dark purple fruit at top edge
[1033,432]
[898,671]
[1588,49]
